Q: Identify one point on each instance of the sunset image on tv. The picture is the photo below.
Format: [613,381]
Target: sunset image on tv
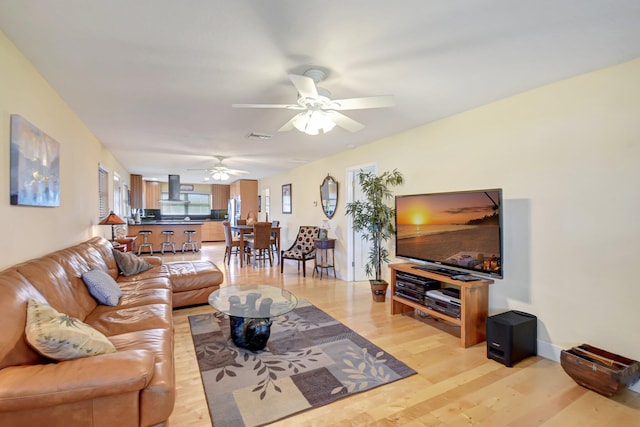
[458,229]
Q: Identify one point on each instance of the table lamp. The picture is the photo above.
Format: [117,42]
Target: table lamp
[324,229]
[112,219]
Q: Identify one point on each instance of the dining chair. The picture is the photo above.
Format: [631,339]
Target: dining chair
[302,249]
[230,243]
[274,246]
[240,222]
[260,243]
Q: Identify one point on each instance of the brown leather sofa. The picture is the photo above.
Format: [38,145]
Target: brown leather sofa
[135,386]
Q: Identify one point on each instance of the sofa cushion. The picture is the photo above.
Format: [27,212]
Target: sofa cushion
[130,264]
[102,287]
[60,337]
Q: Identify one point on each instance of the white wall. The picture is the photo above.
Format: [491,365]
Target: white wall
[567,156]
[28,232]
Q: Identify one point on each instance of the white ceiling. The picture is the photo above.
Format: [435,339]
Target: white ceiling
[155,79]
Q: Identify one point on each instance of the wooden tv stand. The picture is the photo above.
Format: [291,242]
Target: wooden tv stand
[474,300]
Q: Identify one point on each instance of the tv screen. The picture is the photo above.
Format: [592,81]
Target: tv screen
[462,230]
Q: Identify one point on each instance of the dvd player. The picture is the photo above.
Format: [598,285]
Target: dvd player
[443,303]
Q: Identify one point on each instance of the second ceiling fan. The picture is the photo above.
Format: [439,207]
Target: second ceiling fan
[319,113]
[220,172]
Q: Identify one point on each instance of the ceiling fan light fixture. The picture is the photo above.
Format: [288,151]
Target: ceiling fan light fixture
[220,176]
[312,122]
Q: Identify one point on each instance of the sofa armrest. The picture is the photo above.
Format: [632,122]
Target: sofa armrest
[34,386]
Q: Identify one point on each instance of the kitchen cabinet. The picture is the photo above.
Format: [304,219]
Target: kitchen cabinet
[212,231]
[246,190]
[137,191]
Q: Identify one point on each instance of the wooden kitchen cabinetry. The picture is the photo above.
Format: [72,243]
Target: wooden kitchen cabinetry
[212,231]
[246,190]
[137,191]
[220,196]
[152,194]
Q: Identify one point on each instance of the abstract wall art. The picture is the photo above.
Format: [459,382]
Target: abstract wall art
[35,165]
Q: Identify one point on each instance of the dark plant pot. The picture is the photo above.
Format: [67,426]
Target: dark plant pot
[378,289]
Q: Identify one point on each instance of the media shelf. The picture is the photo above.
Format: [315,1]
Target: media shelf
[474,301]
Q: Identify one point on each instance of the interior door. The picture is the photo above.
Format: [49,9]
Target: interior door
[358,249]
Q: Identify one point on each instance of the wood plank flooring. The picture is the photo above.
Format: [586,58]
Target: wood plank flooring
[453,387]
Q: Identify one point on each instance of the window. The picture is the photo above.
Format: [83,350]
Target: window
[198,204]
[117,197]
[103,193]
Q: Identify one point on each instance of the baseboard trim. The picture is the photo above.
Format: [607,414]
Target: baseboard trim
[549,351]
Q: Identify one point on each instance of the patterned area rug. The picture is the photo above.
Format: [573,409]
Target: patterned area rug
[311,360]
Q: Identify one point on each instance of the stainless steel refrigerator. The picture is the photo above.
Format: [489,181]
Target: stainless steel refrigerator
[234,210]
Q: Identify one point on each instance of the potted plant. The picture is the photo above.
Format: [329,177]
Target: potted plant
[374,218]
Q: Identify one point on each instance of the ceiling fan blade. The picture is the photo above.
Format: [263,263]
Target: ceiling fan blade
[363,103]
[305,85]
[287,126]
[288,106]
[345,122]
[236,172]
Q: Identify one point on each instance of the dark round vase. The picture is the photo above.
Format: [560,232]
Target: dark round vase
[249,333]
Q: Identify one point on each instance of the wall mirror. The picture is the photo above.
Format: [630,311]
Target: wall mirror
[329,196]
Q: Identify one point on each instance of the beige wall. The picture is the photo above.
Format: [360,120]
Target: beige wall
[567,156]
[33,231]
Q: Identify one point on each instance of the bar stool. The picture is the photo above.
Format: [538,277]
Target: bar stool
[167,241]
[145,242]
[189,242]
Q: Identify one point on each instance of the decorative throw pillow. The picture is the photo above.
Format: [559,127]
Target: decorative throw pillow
[60,337]
[130,264]
[102,287]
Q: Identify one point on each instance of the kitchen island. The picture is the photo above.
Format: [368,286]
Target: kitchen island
[156,237]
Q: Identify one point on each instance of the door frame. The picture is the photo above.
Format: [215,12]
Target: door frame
[351,247]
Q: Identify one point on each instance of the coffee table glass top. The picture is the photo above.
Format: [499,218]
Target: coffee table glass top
[257,301]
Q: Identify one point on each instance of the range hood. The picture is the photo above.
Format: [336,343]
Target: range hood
[174,188]
[174,191]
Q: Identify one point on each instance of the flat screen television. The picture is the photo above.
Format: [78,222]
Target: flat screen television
[452,233]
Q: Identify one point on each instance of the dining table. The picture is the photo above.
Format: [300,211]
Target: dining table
[248,229]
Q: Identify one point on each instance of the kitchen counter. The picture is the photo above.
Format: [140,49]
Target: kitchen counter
[156,237]
[171,222]
[206,231]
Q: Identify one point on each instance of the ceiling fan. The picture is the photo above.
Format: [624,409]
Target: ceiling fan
[319,113]
[220,172]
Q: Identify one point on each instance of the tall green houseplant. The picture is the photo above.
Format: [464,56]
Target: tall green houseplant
[374,218]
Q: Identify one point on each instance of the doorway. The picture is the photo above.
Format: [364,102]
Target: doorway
[357,249]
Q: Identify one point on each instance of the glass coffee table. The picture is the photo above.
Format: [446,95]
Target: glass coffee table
[250,310]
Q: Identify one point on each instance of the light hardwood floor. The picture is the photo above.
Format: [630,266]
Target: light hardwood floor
[453,387]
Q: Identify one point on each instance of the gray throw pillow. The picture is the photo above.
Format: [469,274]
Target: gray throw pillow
[102,287]
[130,264]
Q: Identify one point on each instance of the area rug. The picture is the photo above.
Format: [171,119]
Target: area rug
[310,360]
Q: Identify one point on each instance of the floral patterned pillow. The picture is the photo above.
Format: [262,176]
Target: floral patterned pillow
[60,337]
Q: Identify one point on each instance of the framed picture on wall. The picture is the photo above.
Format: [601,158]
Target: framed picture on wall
[286,199]
[34,164]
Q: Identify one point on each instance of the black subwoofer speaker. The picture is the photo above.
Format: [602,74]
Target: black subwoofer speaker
[511,337]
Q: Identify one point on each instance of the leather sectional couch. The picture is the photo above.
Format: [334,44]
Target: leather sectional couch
[133,386]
